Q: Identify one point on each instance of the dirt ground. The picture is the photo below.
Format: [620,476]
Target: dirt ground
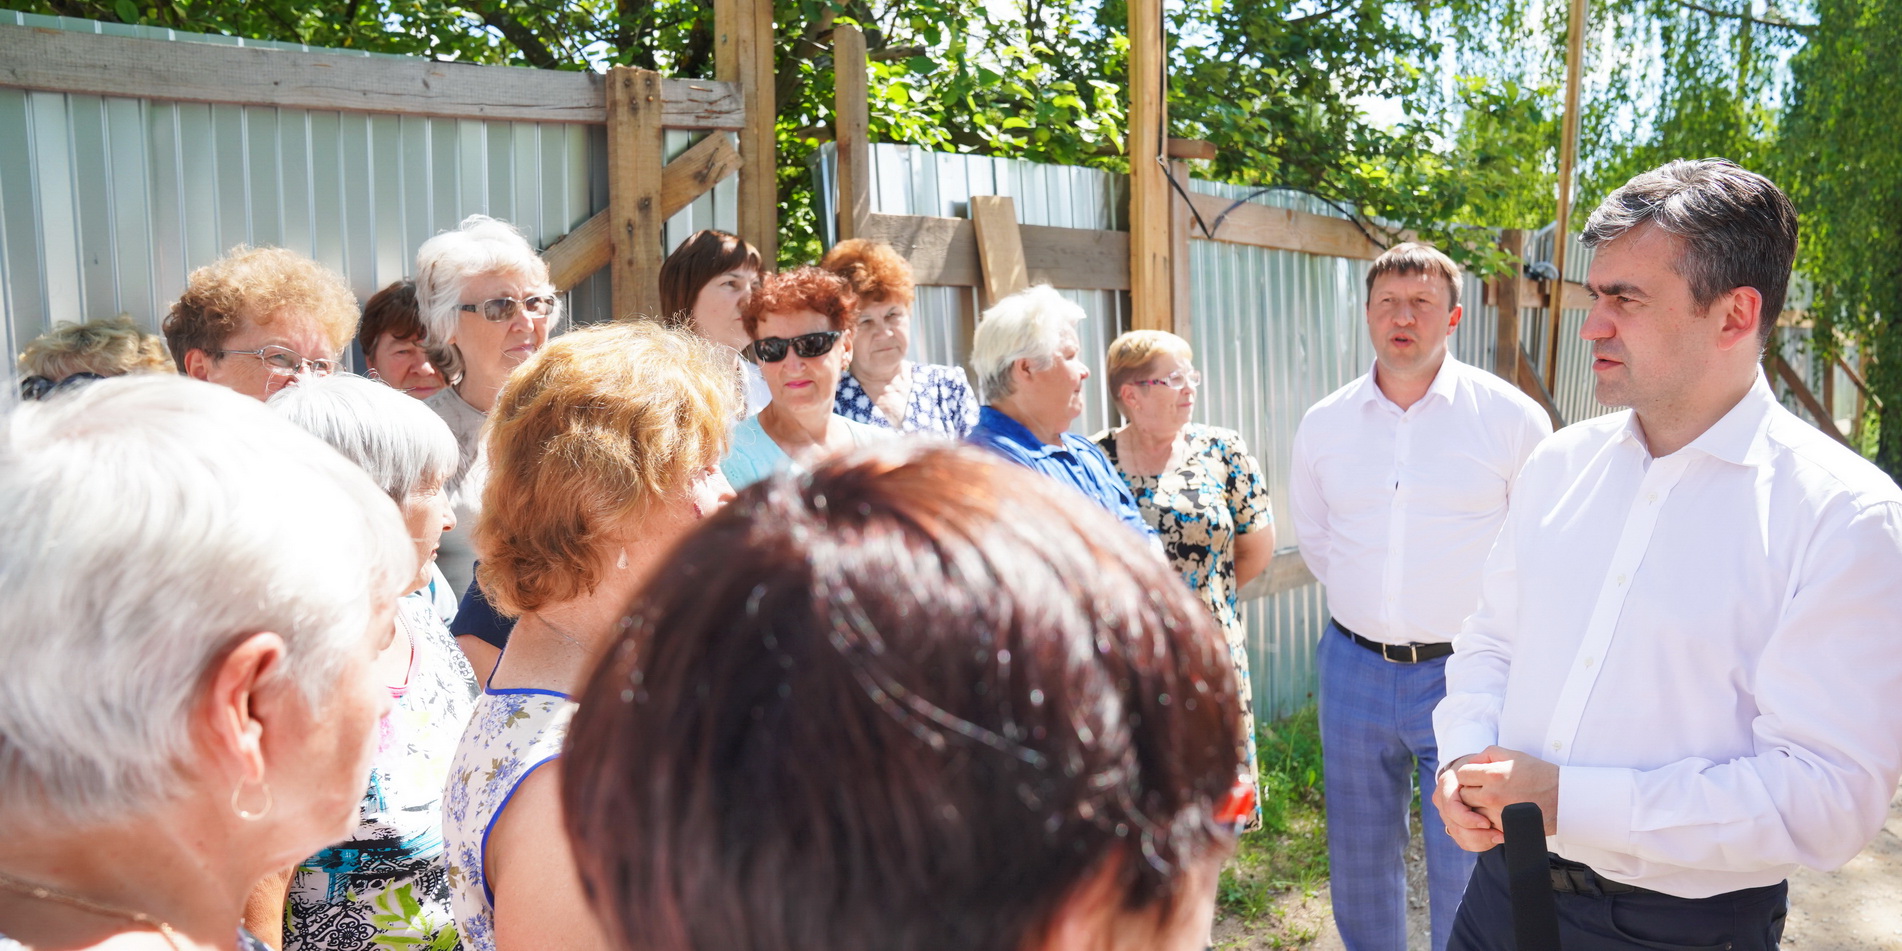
[1855,908]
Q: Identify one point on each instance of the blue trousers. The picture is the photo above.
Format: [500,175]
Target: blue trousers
[1376,737]
[1746,920]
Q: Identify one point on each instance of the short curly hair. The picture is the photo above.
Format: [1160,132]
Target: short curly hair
[806,288]
[258,284]
[584,438]
[876,272]
[110,346]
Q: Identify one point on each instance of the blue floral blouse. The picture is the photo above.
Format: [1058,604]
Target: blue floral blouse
[941,402]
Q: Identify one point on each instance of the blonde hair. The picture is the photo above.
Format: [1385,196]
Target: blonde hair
[1131,355]
[586,436]
[110,346]
[260,285]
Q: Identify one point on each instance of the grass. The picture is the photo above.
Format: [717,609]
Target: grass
[1289,852]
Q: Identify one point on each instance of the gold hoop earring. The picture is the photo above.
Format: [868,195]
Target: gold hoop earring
[246,814]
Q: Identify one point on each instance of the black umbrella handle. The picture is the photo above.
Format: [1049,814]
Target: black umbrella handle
[1535,910]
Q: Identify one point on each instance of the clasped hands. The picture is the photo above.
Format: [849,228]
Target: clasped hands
[1473,789]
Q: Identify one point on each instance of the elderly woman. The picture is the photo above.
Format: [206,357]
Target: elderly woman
[603,452]
[387,884]
[702,285]
[394,343]
[258,317]
[1196,485]
[178,720]
[851,714]
[485,301]
[800,323]
[881,387]
[1025,357]
[72,354]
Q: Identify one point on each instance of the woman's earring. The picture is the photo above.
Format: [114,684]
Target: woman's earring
[246,814]
[622,561]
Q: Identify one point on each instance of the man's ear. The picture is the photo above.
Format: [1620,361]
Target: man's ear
[1740,311]
[1454,320]
[197,364]
[238,704]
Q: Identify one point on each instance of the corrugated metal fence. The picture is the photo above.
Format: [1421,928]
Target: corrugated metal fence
[107,203]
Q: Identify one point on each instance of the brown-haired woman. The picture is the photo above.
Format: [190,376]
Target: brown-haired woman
[916,699]
[881,387]
[800,323]
[702,285]
[395,344]
[602,451]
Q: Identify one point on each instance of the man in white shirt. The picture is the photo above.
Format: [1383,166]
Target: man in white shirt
[1686,647]
[1399,486]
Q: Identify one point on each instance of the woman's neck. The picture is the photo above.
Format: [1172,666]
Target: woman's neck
[874,381]
[480,391]
[796,430]
[557,646]
[1149,438]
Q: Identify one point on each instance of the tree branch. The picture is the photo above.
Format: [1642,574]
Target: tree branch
[533,49]
[1803,28]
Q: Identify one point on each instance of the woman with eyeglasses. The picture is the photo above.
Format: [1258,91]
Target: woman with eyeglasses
[1196,485]
[800,323]
[257,318]
[487,305]
[881,387]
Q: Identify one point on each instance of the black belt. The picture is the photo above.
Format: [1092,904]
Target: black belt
[1399,653]
[1577,878]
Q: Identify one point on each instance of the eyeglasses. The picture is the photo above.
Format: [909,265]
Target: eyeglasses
[498,309]
[284,361]
[1175,381]
[39,387]
[773,349]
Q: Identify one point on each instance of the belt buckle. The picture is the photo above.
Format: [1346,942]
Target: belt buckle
[1413,650]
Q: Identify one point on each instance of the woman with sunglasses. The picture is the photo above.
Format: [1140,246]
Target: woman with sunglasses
[801,325]
[1196,485]
[486,304]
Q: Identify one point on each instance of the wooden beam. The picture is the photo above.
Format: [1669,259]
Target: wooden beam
[634,191]
[1199,149]
[1180,287]
[743,55]
[1862,388]
[1285,573]
[1818,415]
[1506,297]
[943,252]
[852,118]
[586,249]
[1568,159]
[1000,247]
[98,65]
[1528,380]
[1286,229]
[1151,281]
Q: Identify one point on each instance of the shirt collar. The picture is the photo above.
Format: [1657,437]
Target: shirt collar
[1007,429]
[1445,385]
[1738,437]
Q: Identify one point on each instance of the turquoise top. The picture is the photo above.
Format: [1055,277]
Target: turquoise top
[755,455]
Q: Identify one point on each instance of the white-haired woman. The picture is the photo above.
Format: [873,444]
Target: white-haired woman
[486,303]
[387,884]
[193,594]
[1030,376]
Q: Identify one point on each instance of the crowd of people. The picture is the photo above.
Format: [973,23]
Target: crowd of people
[822,647]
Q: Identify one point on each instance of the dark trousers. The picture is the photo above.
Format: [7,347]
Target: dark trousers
[1749,919]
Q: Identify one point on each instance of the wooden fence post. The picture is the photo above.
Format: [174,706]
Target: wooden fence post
[1506,297]
[1179,285]
[1150,277]
[1000,248]
[634,190]
[743,54]
[851,133]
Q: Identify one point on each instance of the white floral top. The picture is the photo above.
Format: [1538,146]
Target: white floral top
[387,886]
[513,733]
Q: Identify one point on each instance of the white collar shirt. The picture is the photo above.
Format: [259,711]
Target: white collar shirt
[1704,643]
[1394,510]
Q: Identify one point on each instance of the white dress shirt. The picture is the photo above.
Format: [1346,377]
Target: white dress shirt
[1396,509]
[1706,644]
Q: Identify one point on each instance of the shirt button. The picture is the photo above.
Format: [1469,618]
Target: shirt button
[1653,497]
[1588,662]
[1556,745]
[1621,579]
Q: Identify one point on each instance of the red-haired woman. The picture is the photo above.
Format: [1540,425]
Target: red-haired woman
[800,323]
[881,387]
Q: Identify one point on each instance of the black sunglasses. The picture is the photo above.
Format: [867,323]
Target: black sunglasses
[773,349]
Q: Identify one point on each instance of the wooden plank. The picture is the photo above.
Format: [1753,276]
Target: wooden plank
[586,249]
[1528,380]
[743,55]
[943,252]
[1286,229]
[1000,248]
[1862,388]
[1506,297]
[1151,281]
[1285,573]
[1180,287]
[1568,161]
[852,119]
[1201,149]
[634,191]
[93,64]
[1818,415]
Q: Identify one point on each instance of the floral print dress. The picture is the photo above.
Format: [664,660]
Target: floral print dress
[940,402]
[387,887]
[1217,493]
[513,733]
